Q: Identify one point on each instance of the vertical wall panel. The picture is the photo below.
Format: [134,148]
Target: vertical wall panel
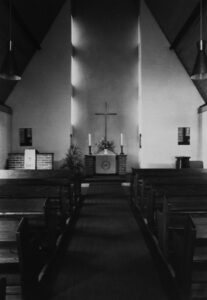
[105,68]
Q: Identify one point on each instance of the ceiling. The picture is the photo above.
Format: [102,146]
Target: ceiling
[32,20]
[180,22]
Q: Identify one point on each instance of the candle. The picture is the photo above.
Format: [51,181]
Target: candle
[122,139]
[89,139]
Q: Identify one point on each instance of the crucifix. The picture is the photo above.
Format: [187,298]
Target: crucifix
[105,114]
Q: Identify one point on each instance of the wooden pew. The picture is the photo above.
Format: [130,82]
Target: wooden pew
[173,209]
[8,253]
[20,197]
[154,180]
[3,288]
[171,196]
[159,190]
[74,181]
[9,292]
[46,237]
[58,190]
[175,179]
[33,263]
[190,263]
[157,172]
[9,262]
[138,175]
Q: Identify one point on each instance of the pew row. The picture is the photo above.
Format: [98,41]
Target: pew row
[48,203]
[165,198]
[45,235]
[33,262]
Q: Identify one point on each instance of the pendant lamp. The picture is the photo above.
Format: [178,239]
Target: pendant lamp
[200,67]
[9,69]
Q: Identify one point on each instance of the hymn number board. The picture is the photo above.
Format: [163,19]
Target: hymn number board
[183,135]
[25,136]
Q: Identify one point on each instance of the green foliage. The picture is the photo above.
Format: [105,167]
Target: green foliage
[74,160]
[102,144]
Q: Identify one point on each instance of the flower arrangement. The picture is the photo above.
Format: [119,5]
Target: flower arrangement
[103,144]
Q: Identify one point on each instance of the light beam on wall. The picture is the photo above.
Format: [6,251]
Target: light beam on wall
[75,33]
[75,73]
[139,90]
[75,70]
[74,113]
[75,65]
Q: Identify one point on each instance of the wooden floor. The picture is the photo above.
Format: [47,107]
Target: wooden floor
[107,257]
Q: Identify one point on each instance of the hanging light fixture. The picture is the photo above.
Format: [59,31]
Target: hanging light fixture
[9,67]
[200,67]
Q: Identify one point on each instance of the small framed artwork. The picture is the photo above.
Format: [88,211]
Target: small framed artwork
[25,136]
[183,135]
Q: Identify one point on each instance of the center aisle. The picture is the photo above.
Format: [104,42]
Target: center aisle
[107,257]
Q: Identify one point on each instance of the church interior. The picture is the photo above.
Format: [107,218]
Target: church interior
[103,150]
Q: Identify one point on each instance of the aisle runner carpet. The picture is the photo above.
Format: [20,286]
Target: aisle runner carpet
[107,257]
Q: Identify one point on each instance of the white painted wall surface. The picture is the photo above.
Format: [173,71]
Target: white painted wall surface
[41,100]
[169,100]
[5,138]
[203,137]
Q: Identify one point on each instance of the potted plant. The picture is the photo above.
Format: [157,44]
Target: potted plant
[74,160]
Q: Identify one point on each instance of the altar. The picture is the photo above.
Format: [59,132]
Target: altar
[105,164]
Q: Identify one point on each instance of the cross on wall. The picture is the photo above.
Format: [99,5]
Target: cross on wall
[106,114]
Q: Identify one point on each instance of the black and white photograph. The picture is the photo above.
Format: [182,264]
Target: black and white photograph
[103,150]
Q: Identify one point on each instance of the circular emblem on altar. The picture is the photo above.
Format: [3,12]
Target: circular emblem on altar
[106,165]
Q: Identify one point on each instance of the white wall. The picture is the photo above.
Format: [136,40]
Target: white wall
[5,137]
[41,100]
[169,99]
[203,137]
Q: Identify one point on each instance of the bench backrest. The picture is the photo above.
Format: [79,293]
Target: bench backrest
[3,288]
[30,260]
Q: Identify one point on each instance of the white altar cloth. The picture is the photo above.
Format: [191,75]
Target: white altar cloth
[106,162]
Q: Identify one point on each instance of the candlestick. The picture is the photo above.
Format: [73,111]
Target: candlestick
[122,139]
[89,140]
[89,150]
[122,150]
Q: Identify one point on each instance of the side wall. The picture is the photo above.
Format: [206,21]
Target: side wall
[169,100]
[5,137]
[41,101]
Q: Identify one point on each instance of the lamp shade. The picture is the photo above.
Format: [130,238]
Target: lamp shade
[9,69]
[200,67]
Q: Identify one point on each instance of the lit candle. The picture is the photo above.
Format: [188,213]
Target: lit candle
[122,139]
[89,139]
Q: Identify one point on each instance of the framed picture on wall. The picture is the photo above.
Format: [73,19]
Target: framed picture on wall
[183,135]
[25,136]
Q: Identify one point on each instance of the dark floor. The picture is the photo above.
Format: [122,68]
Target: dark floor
[107,257]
